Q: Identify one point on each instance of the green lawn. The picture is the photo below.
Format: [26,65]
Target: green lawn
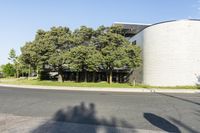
[66,83]
[84,84]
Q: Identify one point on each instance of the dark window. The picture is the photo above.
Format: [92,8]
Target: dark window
[134,42]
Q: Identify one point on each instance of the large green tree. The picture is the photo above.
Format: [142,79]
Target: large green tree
[83,50]
[44,48]
[8,70]
[82,39]
[93,61]
[29,57]
[62,41]
[83,59]
[117,51]
[48,49]
[83,35]
[14,59]
[35,54]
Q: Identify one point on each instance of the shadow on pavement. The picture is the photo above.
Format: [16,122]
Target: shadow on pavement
[182,99]
[80,119]
[197,113]
[161,123]
[181,124]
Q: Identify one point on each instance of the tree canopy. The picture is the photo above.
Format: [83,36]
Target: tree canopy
[8,70]
[83,50]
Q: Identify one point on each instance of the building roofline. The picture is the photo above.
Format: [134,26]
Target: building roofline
[128,23]
[162,22]
[174,21]
[150,25]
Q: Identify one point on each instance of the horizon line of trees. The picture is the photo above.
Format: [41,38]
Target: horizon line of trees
[82,50]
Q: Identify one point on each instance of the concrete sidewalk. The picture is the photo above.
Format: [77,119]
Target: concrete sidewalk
[136,90]
[26,124]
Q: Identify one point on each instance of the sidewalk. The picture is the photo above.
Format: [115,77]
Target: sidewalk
[27,124]
[136,90]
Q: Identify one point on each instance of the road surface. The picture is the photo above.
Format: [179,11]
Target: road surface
[53,111]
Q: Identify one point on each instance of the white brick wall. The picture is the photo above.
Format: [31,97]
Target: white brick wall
[171,53]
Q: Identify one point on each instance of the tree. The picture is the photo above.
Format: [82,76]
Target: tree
[134,56]
[14,59]
[61,40]
[83,35]
[59,62]
[29,56]
[1,71]
[83,50]
[117,29]
[115,51]
[8,70]
[83,59]
[93,61]
[44,49]
[47,49]
[76,60]
[12,55]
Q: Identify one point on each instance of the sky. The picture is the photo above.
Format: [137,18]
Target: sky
[20,19]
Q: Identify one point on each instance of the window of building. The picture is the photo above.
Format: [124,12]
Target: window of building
[134,42]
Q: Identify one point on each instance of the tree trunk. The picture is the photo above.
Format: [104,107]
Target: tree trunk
[71,76]
[22,73]
[110,77]
[93,76]
[37,72]
[107,79]
[29,71]
[134,82]
[60,75]
[117,77]
[120,78]
[17,72]
[85,76]
[99,77]
[77,76]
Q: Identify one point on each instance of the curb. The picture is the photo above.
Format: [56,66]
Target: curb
[135,90]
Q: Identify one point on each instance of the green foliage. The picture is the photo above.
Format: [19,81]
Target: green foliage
[118,29]
[85,49]
[134,56]
[93,59]
[1,68]
[8,70]
[117,51]
[48,48]
[61,40]
[12,55]
[29,54]
[77,57]
[83,35]
[84,58]
[15,60]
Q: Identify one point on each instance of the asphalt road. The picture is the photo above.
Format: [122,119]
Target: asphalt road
[145,111]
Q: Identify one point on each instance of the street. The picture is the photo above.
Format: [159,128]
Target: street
[56,111]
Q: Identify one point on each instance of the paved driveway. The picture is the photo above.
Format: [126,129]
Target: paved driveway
[38,111]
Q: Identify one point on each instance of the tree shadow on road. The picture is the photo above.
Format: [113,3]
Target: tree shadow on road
[81,119]
[179,98]
[181,124]
[161,123]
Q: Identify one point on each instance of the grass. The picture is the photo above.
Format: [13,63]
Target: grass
[15,81]
[66,83]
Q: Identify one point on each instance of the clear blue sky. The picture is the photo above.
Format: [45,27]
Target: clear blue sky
[20,19]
